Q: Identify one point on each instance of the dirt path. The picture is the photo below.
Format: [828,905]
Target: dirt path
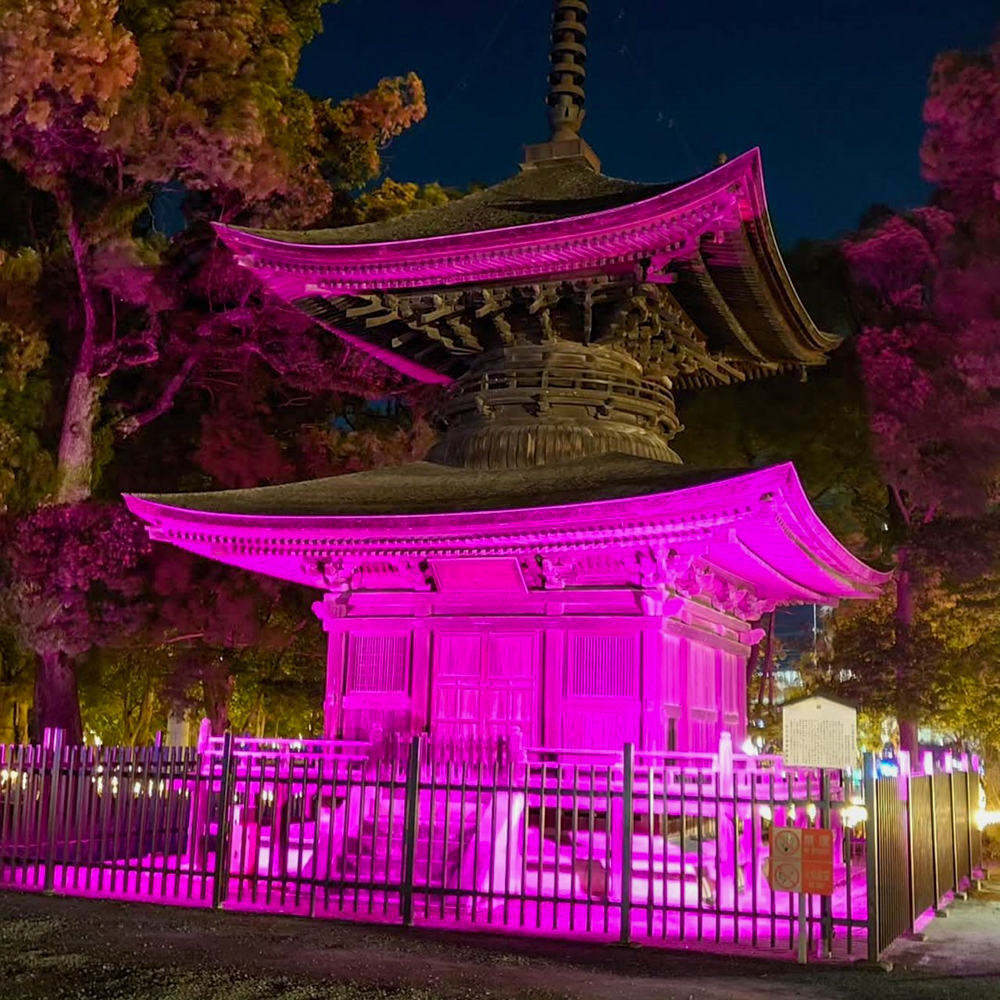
[57,949]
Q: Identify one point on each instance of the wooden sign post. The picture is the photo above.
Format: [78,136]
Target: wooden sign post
[801,862]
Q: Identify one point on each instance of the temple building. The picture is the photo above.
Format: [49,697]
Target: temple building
[552,568]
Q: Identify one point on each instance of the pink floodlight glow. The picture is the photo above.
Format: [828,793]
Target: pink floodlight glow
[582,625]
[542,238]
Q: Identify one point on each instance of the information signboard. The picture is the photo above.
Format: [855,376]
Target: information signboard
[801,860]
[819,732]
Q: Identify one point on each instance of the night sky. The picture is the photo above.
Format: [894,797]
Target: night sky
[831,90]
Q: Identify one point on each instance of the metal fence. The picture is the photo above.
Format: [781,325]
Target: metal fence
[622,847]
[923,844]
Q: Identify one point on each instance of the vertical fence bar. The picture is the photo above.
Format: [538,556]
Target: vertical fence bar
[220,883]
[826,902]
[58,736]
[954,838]
[906,777]
[969,815]
[410,830]
[935,861]
[871,855]
[628,821]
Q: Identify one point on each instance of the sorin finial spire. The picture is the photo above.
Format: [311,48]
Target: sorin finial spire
[568,57]
[566,95]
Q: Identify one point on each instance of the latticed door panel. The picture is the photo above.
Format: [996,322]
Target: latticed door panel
[702,697]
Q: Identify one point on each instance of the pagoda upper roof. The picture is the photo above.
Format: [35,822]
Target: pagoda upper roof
[756,527]
[422,292]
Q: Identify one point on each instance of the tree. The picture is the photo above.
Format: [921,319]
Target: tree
[103,106]
[951,676]
[819,422]
[960,152]
[930,345]
[70,582]
[24,466]
[121,693]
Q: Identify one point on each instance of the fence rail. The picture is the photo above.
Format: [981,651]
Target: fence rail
[629,847]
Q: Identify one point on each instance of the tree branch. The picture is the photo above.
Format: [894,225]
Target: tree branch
[901,506]
[129,425]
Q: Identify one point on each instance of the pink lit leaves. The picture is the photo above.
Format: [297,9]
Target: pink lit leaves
[961,148]
[73,577]
[930,356]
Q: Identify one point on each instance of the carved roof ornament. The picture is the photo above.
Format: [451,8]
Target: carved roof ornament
[566,96]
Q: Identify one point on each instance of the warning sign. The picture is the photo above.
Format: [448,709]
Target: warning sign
[801,860]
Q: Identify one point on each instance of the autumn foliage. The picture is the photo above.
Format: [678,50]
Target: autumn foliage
[136,358]
[927,295]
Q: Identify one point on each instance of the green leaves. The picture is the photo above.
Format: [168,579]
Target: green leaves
[24,468]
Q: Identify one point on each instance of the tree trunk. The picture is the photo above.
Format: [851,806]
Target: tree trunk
[8,718]
[752,663]
[139,733]
[75,467]
[218,687]
[57,705]
[909,739]
[767,665]
[76,440]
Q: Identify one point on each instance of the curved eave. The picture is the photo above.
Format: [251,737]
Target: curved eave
[445,258]
[717,222]
[758,527]
[759,234]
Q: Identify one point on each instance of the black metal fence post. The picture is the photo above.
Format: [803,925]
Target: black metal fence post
[826,902]
[906,777]
[954,831]
[871,855]
[627,831]
[969,815]
[55,775]
[934,839]
[220,883]
[411,809]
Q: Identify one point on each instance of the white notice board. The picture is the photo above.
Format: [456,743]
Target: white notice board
[820,732]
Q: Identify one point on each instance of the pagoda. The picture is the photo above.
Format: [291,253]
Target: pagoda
[552,568]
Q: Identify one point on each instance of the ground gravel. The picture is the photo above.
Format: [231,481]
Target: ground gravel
[72,949]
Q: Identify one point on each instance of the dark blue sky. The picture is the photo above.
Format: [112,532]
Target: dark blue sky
[831,90]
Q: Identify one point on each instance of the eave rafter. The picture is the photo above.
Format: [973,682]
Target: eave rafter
[438,327]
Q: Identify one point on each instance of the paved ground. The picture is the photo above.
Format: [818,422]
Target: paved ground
[57,949]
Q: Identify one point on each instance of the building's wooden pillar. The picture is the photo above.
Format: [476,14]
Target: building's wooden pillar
[720,694]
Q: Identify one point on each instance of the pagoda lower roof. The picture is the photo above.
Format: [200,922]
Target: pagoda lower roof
[756,527]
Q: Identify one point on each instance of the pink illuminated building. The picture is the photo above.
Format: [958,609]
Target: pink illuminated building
[552,572]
